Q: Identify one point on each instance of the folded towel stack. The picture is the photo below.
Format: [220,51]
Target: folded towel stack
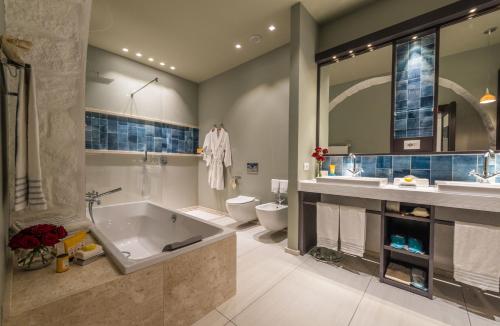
[352,230]
[327,225]
[476,255]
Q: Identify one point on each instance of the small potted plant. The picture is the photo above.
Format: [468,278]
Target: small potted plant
[33,245]
[319,154]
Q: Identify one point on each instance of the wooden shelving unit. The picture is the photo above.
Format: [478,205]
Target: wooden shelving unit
[408,225]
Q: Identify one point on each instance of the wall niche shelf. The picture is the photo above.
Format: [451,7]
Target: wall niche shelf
[129,153]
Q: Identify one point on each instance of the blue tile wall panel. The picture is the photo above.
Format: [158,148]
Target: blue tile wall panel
[109,132]
[414,93]
[454,167]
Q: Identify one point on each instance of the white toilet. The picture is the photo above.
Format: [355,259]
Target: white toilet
[272,216]
[242,208]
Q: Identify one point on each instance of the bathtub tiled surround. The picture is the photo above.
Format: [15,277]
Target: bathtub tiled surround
[110,132]
[448,167]
[177,292]
[414,93]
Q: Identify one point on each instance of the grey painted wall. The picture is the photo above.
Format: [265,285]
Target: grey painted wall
[175,99]
[373,17]
[251,101]
[302,132]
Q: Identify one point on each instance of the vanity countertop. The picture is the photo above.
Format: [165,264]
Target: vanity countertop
[420,195]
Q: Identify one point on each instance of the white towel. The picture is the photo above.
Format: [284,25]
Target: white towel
[28,184]
[327,225]
[476,255]
[275,186]
[352,230]
[283,186]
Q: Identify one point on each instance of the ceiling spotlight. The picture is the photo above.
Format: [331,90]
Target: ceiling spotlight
[334,57]
[237,45]
[162,63]
[125,50]
[172,68]
[350,51]
[139,54]
[414,37]
[473,10]
[271,28]
[369,45]
[151,59]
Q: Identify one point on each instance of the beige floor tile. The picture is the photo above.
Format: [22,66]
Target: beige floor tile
[386,305]
[313,294]
[245,244]
[477,320]
[258,271]
[214,318]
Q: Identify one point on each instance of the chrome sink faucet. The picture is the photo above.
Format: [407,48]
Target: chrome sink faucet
[485,176]
[355,170]
[94,198]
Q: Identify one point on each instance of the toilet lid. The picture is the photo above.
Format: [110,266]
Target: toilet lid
[240,200]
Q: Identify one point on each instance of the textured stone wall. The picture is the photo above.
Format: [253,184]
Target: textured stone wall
[59,32]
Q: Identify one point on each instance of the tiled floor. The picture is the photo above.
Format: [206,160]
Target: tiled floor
[276,288]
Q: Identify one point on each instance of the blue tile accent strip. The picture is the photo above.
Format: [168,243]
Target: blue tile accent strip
[414,94]
[446,166]
[109,132]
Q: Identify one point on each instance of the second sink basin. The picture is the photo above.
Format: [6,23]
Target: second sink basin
[469,187]
[358,181]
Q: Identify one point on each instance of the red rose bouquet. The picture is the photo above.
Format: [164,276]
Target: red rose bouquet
[32,244]
[319,154]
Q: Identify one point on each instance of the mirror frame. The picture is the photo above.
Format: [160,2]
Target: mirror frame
[429,22]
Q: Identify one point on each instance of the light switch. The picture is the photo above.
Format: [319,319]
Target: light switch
[306,166]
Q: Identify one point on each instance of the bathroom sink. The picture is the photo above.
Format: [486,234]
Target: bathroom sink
[469,187]
[354,181]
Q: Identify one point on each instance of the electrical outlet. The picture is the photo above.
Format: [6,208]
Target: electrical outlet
[306,166]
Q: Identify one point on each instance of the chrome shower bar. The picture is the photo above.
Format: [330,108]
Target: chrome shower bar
[140,89]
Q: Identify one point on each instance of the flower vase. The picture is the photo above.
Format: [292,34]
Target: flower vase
[32,259]
[319,165]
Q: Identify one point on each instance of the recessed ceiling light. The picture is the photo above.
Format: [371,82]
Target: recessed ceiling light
[162,63]
[139,54]
[334,57]
[414,37]
[272,28]
[237,45]
[350,51]
[369,45]
[473,10]
[125,50]
[151,59]
[172,68]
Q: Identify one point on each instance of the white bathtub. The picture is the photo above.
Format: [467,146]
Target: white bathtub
[134,234]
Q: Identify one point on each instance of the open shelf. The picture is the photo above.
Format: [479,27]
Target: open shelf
[408,217]
[406,252]
[406,287]
[132,153]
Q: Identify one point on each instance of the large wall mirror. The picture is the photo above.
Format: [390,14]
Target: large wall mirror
[469,63]
[424,92]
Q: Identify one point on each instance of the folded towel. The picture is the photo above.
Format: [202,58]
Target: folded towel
[275,186]
[283,186]
[28,183]
[70,223]
[352,230]
[327,225]
[398,273]
[476,255]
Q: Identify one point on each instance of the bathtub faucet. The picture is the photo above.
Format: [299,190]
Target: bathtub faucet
[94,198]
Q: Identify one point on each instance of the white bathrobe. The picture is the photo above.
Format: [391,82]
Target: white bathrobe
[217,154]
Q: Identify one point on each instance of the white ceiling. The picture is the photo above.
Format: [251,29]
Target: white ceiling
[198,36]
